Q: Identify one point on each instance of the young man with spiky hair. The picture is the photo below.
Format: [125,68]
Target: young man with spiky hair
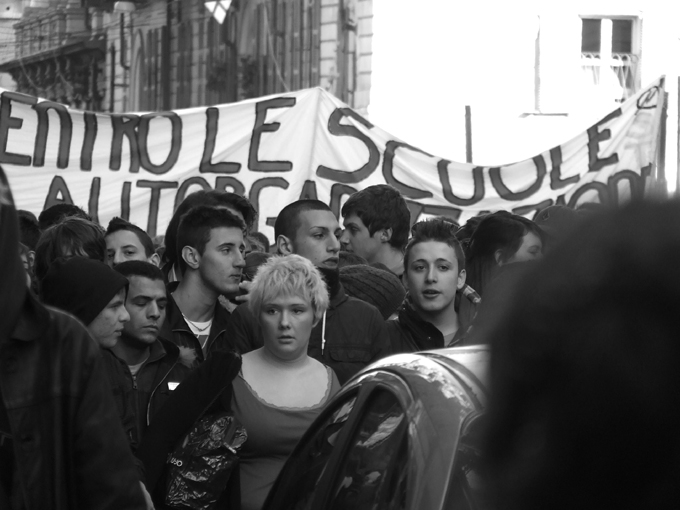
[126,241]
[210,249]
[434,270]
[352,333]
[376,222]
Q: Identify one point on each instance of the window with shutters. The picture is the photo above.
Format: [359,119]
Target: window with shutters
[610,53]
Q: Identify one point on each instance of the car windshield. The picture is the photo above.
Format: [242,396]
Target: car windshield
[373,474]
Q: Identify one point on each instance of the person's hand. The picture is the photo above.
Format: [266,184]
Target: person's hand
[147,497]
[245,285]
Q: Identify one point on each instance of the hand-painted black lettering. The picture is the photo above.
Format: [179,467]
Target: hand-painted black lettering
[337,129]
[595,164]
[8,122]
[93,204]
[207,166]
[556,181]
[65,133]
[309,191]
[91,128]
[417,209]
[636,186]
[261,127]
[649,100]
[526,209]
[234,185]
[477,179]
[601,189]
[388,170]
[175,142]
[182,191]
[337,192]
[506,194]
[57,187]
[125,201]
[124,124]
[259,185]
[156,187]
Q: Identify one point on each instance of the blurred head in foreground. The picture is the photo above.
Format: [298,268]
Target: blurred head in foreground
[585,409]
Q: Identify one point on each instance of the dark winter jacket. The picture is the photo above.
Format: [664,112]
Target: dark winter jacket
[70,449]
[355,334]
[176,329]
[139,399]
[197,395]
[66,446]
[410,333]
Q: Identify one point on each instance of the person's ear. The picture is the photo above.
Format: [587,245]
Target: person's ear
[385,235]
[191,257]
[462,276]
[155,259]
[498,256]
[30,255]
[284,245]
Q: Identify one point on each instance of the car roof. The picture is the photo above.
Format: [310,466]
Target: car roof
[474,357]
[467,365]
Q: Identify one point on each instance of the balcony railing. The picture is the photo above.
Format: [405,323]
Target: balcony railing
[43,29]
[622,67]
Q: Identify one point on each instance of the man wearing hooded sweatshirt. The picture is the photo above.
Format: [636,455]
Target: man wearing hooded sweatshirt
[61,445]
[352,333]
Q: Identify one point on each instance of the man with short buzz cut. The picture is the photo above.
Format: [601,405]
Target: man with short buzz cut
[352,333]
[144,368]
[434,270]
[211,247]
[126,241]
[377,222]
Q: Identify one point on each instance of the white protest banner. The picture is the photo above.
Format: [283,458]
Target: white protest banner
[277,149]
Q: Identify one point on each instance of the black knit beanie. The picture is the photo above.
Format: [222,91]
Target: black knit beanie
[381,288]
[83,287]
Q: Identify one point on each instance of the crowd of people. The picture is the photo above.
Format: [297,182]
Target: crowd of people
[213,316]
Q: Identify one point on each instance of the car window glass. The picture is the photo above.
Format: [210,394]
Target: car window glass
[465,491]
[373,473]
[298,480]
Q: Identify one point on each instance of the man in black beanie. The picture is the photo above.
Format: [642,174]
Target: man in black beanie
[379,287]
[61,444]
[92,292]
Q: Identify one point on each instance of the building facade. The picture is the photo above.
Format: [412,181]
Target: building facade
[169,54]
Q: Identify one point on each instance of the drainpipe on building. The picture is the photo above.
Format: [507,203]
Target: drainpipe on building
[112,77]
[165,56]
[468,134]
